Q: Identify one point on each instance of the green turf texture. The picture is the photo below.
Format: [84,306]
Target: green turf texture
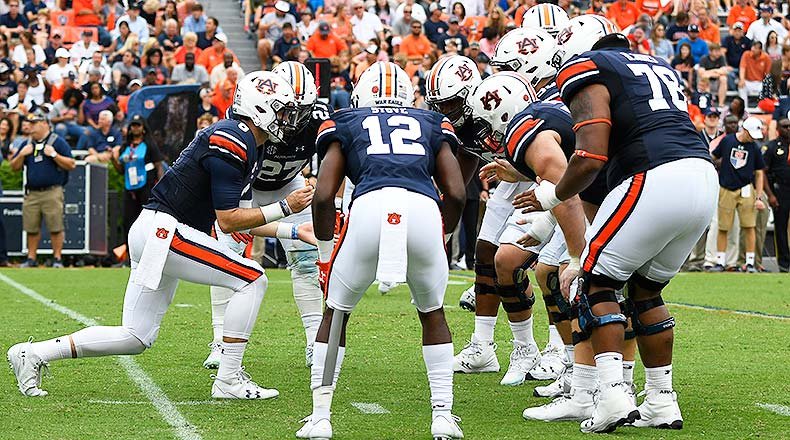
[724,365]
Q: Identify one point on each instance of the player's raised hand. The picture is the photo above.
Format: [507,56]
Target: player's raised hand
[306,234]
[300,199]
[499,169]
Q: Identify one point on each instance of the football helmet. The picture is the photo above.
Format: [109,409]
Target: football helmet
[303,83]
[268,100]
[383,84]
[546,16]
[582,33]
[494,103]
[531,52]
[448,84]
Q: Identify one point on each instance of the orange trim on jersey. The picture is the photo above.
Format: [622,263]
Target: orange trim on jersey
[592,121]
[515,138]
[573,70]
[587,155]
[448,126]
[326,125]
[615,222]
[339,243]
[228,145]
[215,260]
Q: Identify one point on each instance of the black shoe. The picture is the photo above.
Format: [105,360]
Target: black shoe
[784,269]
[749,268]
[29,263]
[716,268]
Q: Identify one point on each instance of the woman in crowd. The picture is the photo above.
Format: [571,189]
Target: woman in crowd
[772,46]
[154,60]
[6,137]
[65,115]
[341,25]
[27,41]
[119,43]
[684,63]
[3,46]
[736,108]
[662,48]
[94,104]
[340,83]
[205,106]
[383,10]
[497,20]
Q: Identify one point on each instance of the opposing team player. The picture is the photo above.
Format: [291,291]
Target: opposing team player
[629,111]
[280,174]
[393,153]
[546,16]
[170,241]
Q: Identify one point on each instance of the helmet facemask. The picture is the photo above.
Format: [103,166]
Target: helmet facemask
[454,107]
[284,122]
[485,137]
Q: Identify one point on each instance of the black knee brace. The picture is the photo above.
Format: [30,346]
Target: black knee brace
[485,270]
[509,292]
[555,298]
[639,307]
[588,320]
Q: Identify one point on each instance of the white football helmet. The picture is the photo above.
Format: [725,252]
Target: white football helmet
[582,33]
[546,16]
[531,52]
[448,84]
[303,83]
[268,100]
[494,103]
[383,84]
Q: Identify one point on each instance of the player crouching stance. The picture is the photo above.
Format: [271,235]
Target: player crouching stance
[394,231]
[170,241]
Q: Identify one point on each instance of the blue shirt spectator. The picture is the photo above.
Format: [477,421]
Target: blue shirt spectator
[736,48]
[15,18]
[699,47]
[739,160]
[41,169]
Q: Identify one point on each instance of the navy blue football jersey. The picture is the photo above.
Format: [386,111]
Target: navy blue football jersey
[649,115]
[388,146]
[527,124]
[549,92]
[212,172]
[281,162]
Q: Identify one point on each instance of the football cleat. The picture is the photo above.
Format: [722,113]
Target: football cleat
[659,410]
[558,387]
[212,361]
[308,355]
[614,406]
[551,365]
[446,428]
[522,359]
[477,357]
[240,387]
[577,406]
[320,429]
[467,301]
[27,366]
[385,287]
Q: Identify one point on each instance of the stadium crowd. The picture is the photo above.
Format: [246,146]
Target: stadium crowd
[74,64]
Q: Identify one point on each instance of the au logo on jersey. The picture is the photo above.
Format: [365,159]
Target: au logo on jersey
[527,46]
[492,96]
[464,72]
[162,233]
[393,218]
[266,86]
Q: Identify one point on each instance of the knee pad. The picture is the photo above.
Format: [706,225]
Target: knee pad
[579,336]
[637,308]
[555,298]
[588,320]
[485,270]
[523,302]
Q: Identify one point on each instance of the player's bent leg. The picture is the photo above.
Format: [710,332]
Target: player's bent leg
[554,358]
[220,296]
[307,294]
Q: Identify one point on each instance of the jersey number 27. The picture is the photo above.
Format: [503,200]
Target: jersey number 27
[404,131]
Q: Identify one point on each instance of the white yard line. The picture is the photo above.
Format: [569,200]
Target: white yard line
[369,408]
[733,311]
[170,414]
[145,402]
[782,410]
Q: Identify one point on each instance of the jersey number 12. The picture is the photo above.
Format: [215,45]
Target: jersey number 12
[655,76]
[403,138]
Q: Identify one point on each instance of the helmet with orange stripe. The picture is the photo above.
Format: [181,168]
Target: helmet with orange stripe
[551,18]
[268,101]
[494,103]
[582,33]
[383,84]
[530,52]
[303,83]
[451,80]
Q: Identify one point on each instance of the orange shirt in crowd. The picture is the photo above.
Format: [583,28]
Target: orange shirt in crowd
[57,91]
[651,7]
[181,54]
[623,16]
[88,18]
[415,47]
[755,68]
[219,101]
[328,48]
[210,58]
[123,103]
[520,11]
[745,15]
[709,32]
[473,28]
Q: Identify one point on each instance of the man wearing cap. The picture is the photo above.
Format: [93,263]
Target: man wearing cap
[55,72]
[742,12]
[777,169]
[623,13]
[759,30]
[7,85]
[324,43]
[755,65]
[741,175]
[137,24]
[216,53]
[47,160]
[711,126]
[365,25]
[270,29]
[435,27]
[206,38]
[55,42]
[101,141]
[191,73]
[83,50]
[371,55]
[415,45]
[734,46]
[699,47]
[454,34]
[285,43]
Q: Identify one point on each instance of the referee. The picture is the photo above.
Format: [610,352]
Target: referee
[777,168]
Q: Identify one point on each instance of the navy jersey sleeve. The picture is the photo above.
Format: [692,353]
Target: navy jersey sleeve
[226,182]
[448,134]
[330,131]
[231,141]
[577,74]
[520,133]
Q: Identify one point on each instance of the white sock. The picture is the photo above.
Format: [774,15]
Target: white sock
[54,349]
[721,258]
[230,360]
[439,364]
[628,371]
[322,402]
[569,353]
[90,342]
[659,378]
[484,328]
[584,377]
[554,336]
[522,332]
[750,258]
[219,302]
[311,323]
[319,360]
[610,367]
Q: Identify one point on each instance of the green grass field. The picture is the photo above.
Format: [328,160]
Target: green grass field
[726,366]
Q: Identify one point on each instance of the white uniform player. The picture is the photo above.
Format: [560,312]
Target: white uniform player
[546,16]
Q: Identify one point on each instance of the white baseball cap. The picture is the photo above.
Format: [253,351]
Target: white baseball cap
[62,53]
[282,6]
[221,37]
[754,126]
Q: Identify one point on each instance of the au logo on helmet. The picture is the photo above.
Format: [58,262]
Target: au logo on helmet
[489,97]
[464,72]
[564,36]
[527,46]
[266,86]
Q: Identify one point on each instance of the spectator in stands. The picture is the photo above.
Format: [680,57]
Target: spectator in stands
[712,125]
[402,25]
[773,47]
[65,114]
[340,83]
[110,11]
[714,68]
[324,44]
[14,20]
[170,37]
[735,45]
[119,41]
[755,65]
[153,62]
[32,7]
[341,25]
[415,45]
[204,121]
[383,11]
[699,47]
[684,62]
[454,34]
[364,60]
[206,107]
[679,29]
[123,96]
[639,43]
[708,29]
[126,66]
[489,41]
[101,141]
[741,175]
[40,26]
[777,170]
[284,44]
[435,27]
[219,72]
[223,94]
[653,9]
[270,30]
[366,26]
[7,85]
[47,160]
[212,56]
[662,48]
[195,21]
[95,102]
[190,46]
[67,82]
[137,24]
[4,49]
[191,73]
[742,11]
[27,41]
[54,74]
[623,13]
[96,63]
[54,43]
[21,101]
[758,31]
[307,26]
[83,50]
[6,137]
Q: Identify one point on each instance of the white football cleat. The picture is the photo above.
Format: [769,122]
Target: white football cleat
[551,365]
[659,410]
[575,407]
[308,355]
[522,359]
[468,299]
[26,365]
[614,406]
[321,429]
[476,357]
[446,428]
[557,388]
[385,287]
[212,361]
[240,387]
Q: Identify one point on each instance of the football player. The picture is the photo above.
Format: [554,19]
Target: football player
[629,111]
[393,153]
[279,174]
[170,242]
[546,16]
